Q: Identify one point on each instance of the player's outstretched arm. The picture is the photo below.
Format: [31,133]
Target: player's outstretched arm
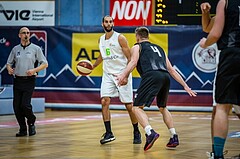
[179,79]
[98,61]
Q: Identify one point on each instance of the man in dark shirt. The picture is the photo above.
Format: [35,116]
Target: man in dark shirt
[24,57]
[154,68]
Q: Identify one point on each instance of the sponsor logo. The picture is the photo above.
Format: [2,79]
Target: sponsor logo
[30,13]
[111,57]
[205,59]
[134,12]
[16,14]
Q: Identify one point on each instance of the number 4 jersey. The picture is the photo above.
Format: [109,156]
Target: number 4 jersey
[151,57]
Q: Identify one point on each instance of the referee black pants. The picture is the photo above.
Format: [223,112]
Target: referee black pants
[23,88]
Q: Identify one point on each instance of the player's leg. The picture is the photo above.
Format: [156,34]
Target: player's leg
[145,95]
[105,101]
[162,97]
[107,91]
[133,118]
[136,133]
[141,116]
[151,135]
[226,92]
[211,154]
[220,130]
[168,120]
[108,135]
[126,95]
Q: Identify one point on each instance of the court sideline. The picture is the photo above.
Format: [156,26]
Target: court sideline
[75,134]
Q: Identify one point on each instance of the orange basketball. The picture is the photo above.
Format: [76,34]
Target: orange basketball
[84,67]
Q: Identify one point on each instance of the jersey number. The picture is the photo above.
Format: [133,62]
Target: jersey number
[155,49]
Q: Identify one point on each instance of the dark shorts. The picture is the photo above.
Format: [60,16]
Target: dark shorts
[228,77]
[153,84]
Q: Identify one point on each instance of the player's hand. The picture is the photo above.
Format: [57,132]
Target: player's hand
[205,7]
[190,92]
[121,79]
[202,43]
[124,82]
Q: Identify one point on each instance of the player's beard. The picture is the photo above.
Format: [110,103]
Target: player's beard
[108,30]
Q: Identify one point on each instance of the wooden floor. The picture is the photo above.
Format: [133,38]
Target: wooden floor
[76,134]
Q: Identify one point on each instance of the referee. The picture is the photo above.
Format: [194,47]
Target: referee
[21,64]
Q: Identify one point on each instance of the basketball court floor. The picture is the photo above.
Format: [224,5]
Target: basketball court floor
[75,134]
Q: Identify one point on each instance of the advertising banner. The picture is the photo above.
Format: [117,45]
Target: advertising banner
[65,46]
[131,13]
[27,13]
[158,12]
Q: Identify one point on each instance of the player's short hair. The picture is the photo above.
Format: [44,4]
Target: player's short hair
[105,17]
[143,32]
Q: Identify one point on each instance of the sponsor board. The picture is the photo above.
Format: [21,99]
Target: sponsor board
[131,13]
[85,46]
[29,13]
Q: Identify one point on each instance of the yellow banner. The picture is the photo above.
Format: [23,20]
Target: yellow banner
[85,47]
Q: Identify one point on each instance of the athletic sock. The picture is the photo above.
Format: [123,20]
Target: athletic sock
[148,129]
[212,148]
[135,127]
[107,126]
[218,146]
[172,132]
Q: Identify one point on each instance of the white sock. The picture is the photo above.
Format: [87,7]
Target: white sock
[172,132]
[148,129]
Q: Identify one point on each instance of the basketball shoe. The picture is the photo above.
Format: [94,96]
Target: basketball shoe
[107,137]
[173,142]
[210,155]
[137,137]
[151,139]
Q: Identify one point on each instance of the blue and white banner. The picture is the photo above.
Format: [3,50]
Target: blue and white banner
[65,46]
[28,13]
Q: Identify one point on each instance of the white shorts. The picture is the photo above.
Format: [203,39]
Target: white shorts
[110,88]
